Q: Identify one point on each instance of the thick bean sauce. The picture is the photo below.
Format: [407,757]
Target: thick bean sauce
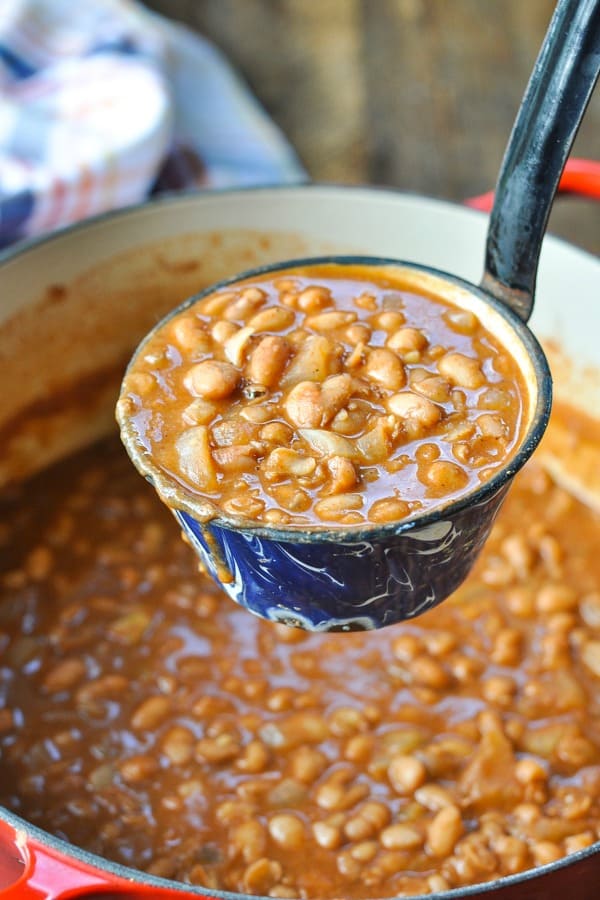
[145,717]
[322,396]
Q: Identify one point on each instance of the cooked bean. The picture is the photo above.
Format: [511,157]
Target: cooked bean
[358,334]
[376,444]
[348,866]
[63,676]
[150,713]
[329,321]
[280,890]
[310,405]
[338,505]
[178,745]
[388,321]
[391,510]
[433,796]
[244,505]
[343,475]
[401,837]
[101,688]
[334,795]
[589,609]
[492,425]
[218,749]
[307,764]
[499,689]
[328,836]
[347,720]
[365,851]
[406,774]
[545,852]
[215,304]
[444,477]
[434,388]
[262,876]
[248,840]
[283,461]
[418,409]
[199,412]
[268,360]
[222,331]
[461,370]
[38,564]
[138,768]
[274,318]
[384,367]
[444,831]
[369,820]
[405,339]
[576,842]
[312,299]
[255,758]
[556,598]
[190,334]
[212,379]
[242,307]
[428,671]
[287,830]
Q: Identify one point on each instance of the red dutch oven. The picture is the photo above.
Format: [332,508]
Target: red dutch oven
[128,268]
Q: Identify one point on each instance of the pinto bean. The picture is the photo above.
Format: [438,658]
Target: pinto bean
[385,367]
[212,379]
[268,360]
[420,410]
[461,370]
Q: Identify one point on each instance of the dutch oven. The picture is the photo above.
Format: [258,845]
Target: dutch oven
[75,304]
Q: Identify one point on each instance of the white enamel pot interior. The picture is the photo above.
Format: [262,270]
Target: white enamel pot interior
[74,305]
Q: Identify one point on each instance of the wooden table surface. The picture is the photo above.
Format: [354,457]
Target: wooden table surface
[416,94]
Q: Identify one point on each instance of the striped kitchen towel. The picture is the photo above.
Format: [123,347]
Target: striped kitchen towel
[103,102]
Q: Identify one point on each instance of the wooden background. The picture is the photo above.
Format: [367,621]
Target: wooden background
[416,94]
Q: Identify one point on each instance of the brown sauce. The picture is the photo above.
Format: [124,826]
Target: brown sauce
[145,717]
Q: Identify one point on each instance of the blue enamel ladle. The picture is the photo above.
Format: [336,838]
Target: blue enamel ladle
[365,577]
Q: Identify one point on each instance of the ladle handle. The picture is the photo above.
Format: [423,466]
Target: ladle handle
[556,98]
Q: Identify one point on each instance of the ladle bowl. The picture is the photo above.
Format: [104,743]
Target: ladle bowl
[367,577]
[358,577]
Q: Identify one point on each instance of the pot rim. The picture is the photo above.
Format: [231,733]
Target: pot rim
[172,198]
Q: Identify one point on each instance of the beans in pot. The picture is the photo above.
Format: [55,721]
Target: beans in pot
[146,718]
[322,396]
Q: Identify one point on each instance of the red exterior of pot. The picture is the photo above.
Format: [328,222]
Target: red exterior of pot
[32,870]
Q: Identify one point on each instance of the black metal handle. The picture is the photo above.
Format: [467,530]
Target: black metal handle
[556,98]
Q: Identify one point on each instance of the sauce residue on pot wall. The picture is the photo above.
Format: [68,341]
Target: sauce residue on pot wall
[64,339]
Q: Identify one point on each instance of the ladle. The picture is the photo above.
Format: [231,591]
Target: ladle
[371,576]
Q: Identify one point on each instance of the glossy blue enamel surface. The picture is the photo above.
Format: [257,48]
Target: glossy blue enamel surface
[345,585]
